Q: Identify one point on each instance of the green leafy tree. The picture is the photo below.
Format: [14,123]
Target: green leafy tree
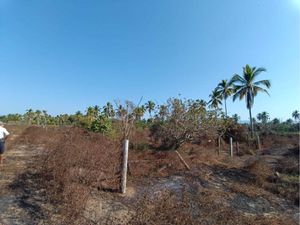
[247,87]
[102,125]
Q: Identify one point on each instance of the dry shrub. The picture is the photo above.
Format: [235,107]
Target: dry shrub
[193,207]
[247,189]
[260,169]
[35,135]
[153,163]
[279,141]
[74,162]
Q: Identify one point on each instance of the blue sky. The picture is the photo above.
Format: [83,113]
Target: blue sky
[63,56]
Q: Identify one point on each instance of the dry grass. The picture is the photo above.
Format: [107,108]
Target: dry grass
[260,169]
[75,161]
[197,207]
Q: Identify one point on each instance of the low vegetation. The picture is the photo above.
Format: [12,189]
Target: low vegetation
[82,152]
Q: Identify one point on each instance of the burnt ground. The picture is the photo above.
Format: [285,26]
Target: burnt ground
[21,199]
[219,191]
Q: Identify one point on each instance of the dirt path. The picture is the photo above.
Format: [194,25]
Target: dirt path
[20,203]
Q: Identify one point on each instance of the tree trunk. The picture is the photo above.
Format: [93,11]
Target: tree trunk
[219,144]
[251,123]
[225,107]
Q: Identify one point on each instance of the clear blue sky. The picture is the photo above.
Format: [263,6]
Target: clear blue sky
[63,56]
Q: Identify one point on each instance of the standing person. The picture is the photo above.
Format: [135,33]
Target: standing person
[3,136]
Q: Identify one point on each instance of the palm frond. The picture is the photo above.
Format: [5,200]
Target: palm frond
[237,78]
[240,93]
[258,71]
[266,83]
[257,89]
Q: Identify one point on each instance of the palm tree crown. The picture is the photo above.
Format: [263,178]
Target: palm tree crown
[296,115]
[215,99]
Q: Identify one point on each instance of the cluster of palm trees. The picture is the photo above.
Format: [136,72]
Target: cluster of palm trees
[243,86]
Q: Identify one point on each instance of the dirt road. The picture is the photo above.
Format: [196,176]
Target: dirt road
[20,201]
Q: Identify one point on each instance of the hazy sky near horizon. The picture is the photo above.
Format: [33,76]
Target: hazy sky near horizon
[63,56]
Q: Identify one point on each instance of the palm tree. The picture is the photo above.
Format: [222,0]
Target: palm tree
[246,87]
[163,111]
[296,115]
[276,121]
[109,110]
[236,117]
[263,117]
[201,104]
[215,99]
[139,112]
[29,115]
[225,89]
[150,106]
[78,113]
[96,111]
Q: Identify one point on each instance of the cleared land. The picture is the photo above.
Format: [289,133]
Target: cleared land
[70,176]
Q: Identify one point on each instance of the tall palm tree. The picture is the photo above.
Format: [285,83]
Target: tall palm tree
[296,115]
[246,87]
[215,99]
[225,89]
[150,106]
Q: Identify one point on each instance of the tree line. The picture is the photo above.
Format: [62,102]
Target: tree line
[180,119]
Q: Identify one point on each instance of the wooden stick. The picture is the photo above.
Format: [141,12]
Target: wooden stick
[258,142]
[231,147]
[182,160]
[219,145]
[124,167]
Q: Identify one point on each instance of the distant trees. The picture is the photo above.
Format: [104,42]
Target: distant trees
[108,110]
[296,115]
[275,121]
[263,117]
[236,117]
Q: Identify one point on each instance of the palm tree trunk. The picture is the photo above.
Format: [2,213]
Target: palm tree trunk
[251,122]
[225,107]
